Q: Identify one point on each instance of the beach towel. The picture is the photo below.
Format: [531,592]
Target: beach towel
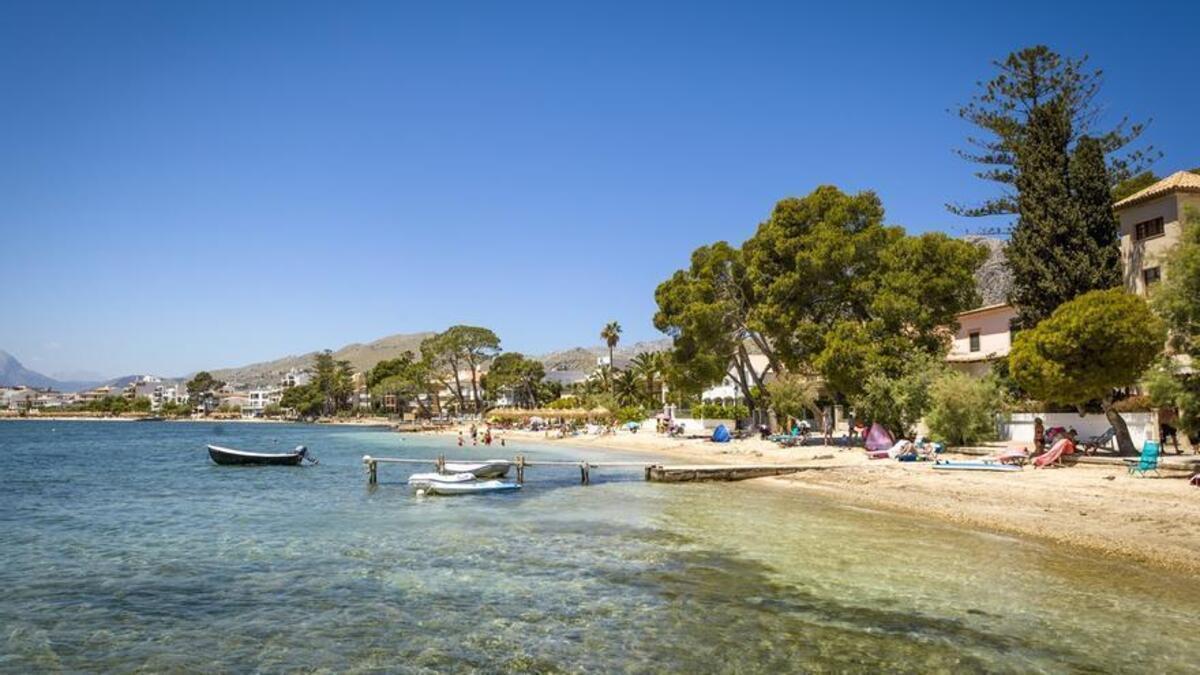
[879,438]
[1062,446]
[720,434]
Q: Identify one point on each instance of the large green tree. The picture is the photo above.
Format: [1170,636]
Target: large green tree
[836,293]
[513,373]
[409,380]
[458,349]
[1057,174]
[1089,347]
[1024,82]
[201,389]
[706,309]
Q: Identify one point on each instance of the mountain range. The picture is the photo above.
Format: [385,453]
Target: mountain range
[361,356]
[13,373]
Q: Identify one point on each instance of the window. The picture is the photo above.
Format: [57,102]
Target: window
[1151,275]
[974,338]
[1147,229]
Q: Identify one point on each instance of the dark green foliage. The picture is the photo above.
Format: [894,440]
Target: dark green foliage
[201,389]
[518,376]
[706,309]
[1065,242]
[962,409]
[1088,347]
[307,400]
[1133,185]
[1028,80]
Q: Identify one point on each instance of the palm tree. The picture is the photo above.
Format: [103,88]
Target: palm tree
[628,388]
[648,366]
[611,336]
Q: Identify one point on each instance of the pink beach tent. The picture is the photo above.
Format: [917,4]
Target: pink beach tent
[879,438]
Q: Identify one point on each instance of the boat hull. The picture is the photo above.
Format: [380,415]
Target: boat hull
[231,457]
[495,468]
[471,488]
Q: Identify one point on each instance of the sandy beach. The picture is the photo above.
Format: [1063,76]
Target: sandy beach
[1153,520]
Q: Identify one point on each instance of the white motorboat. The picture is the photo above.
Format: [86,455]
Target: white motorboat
[426,478]
[470,487]
[492,468]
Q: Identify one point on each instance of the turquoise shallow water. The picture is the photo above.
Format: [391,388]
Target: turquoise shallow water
[125,548]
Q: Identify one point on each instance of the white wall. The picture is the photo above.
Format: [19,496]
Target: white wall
[1019,427]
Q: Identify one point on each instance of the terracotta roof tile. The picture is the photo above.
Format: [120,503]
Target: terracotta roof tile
[1180,181]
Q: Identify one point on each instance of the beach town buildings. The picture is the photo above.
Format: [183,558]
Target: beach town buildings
[1151,223]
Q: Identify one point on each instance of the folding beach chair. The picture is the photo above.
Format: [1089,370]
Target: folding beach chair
[1094,443]
[1148,461]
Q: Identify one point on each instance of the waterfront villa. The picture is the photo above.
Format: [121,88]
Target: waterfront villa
[1151,223]
[984,335]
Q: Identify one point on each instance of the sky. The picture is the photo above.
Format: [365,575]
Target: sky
[208,184]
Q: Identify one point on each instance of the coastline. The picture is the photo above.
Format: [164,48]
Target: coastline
[1098,509]
[378,422]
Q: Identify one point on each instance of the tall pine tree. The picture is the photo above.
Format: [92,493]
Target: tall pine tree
[1058,179]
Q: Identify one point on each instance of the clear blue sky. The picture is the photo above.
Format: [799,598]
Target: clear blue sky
[201,184]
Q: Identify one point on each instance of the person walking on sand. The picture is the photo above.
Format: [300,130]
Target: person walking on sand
[827,424]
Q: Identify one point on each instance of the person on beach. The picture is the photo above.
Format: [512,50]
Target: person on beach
[827,424]
[1039,436]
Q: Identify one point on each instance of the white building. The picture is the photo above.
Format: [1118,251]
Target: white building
[728,390]
[257,400]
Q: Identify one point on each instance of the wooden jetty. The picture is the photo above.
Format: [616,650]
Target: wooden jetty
[657,473]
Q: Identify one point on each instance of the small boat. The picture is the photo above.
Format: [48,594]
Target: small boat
[492,468]
[422,479]
[470,487]
[230,456]
[948,465]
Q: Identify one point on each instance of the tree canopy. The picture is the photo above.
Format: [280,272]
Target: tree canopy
[1090,346]
[822,288]
[1028,81]
[517,375]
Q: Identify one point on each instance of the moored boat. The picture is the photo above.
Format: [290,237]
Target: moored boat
[421,479]
[230,456]
[470,487]
[492,468]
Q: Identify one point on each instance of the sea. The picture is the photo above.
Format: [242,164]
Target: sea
[123,548]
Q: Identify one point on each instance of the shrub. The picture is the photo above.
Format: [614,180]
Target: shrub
[963,409]
[898,403]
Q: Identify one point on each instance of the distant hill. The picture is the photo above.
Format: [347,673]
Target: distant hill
[584,358]
[13,374]
[362,356]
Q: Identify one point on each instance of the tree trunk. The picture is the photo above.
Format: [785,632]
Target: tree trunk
[612,371]
[474,386]
[1124,442]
